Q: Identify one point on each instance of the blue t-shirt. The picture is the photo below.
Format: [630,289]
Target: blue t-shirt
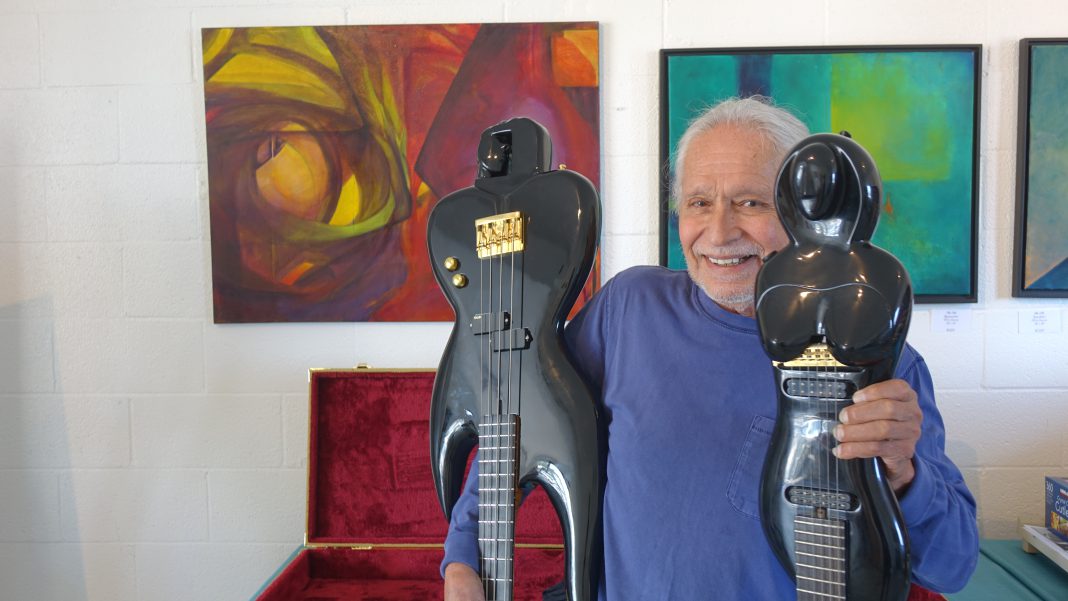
[690,398]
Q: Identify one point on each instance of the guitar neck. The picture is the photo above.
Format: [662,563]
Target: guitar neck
[820,548]
[497,489]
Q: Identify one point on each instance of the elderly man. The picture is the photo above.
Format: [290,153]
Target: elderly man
[691,400]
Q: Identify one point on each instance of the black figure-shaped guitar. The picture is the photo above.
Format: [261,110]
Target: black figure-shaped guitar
[511,254]
[833,311]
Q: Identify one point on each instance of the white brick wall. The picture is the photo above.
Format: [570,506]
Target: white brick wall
[146,453]
[127,47]
[21,50]
[68,571]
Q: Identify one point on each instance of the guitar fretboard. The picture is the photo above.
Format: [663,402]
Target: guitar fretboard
[820,549]
[497,487]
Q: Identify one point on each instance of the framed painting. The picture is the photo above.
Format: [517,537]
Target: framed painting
[914,108]
[329,146]
[1040,262]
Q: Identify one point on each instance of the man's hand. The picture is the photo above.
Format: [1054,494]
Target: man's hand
[884,421]
[462,583]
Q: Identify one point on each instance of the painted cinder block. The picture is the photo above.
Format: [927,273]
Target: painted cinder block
[1025,19]
[274,357]
[22,215]
[951,357]
[130,356]
[133,505]
[26,356]
[403,345]
[115,47]
[157,124]
[257,506]
[164,279]
[295,423]
[255,14]
[206,431]
[123,202]
[1008,495]
[1003,428]
[949,22]
[630,119]
[1012,359]
[51,431]
[192,571]
[59,126]
[21,49]
[30,501]
[66,571]
[697,24]
[73,280]
[629,185]
[619,252]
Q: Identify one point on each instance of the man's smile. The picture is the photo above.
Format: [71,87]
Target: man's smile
[729,262]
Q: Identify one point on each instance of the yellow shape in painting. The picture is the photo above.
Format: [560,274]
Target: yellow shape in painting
[574,58]
[348,203]
[277,76]
[293,178]
[902,122]
[379,219]
[295,39]
[586,42]
[294,274]
[215,42]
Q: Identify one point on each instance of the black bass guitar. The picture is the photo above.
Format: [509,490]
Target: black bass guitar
[512,254]
[833,311]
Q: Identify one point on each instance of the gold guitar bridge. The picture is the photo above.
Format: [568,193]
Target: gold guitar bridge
[499,235]
[816,355]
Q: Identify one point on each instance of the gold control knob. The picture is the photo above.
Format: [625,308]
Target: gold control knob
[452,263]
[459,280]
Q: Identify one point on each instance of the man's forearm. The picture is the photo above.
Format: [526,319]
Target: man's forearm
[462,583]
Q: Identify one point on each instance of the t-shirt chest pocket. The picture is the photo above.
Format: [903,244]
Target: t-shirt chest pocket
[743,489]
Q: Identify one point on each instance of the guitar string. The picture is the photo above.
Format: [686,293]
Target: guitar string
[513,440]
[828,402]
[483,425]
[840,542]
[487,453]
[500,506]
[498,425]
[820,458]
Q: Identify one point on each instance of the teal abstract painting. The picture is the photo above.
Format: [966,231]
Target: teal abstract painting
[1041,267]
[915,109]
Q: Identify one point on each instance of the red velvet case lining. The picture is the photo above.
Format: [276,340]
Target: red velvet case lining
[320,574]
[369,466]
[369,481]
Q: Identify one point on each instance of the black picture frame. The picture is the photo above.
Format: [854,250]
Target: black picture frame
[953,275]
[1032,274]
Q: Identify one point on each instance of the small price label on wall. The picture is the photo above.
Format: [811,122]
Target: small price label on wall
[951,320]
[1040,321]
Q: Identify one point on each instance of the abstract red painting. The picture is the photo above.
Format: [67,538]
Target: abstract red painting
[328,146]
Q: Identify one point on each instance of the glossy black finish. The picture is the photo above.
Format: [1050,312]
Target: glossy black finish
[831,285]
[561,438]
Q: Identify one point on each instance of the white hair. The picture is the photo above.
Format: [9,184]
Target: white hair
[777,126]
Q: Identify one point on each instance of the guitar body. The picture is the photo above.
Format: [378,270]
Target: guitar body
[807,494]
[832,311]
[506,356]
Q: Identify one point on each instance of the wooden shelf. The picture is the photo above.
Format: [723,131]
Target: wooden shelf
[1036,539]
